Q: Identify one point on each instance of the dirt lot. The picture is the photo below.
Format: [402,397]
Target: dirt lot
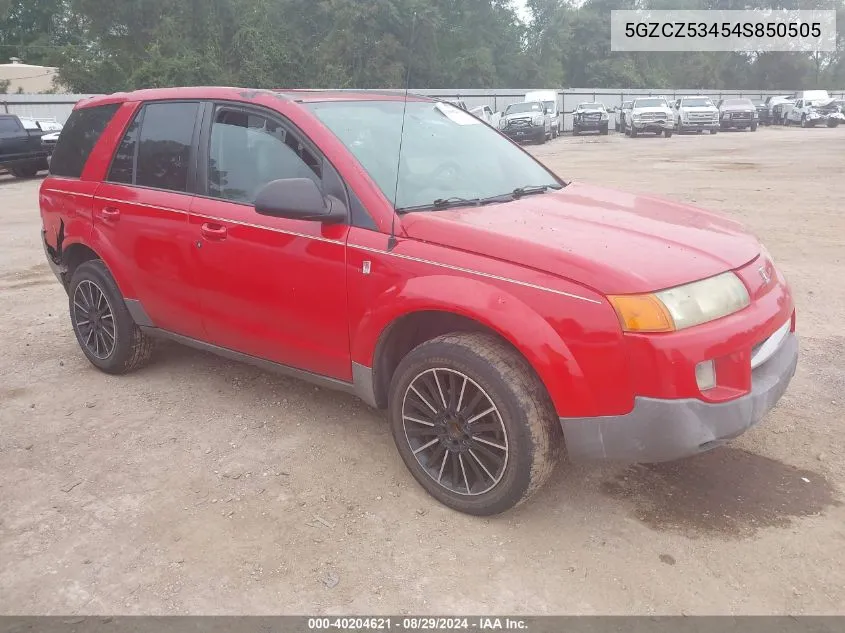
[200,485]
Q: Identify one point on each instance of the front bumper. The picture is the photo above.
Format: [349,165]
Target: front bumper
[652,125]
[659,430]
[737,123]
[529,132]
[698,125]
[591,124]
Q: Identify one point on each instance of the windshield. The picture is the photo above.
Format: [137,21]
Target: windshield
[738,102]
[524,107]
[591,106]
[700,102]
[446,153]
[550,105]
[649,103]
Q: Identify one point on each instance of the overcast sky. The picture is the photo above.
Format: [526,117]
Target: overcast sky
[523,10]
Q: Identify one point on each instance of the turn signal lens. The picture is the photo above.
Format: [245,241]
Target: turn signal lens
[642,313]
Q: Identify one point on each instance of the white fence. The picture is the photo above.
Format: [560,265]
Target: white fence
[59,106]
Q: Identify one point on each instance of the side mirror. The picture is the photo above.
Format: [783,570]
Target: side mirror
[298,199]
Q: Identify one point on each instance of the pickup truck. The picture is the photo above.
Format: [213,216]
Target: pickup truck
[810,112]
[21,150]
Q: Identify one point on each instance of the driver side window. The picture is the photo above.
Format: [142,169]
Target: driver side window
[249,150]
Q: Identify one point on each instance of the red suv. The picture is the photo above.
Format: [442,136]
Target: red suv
[412,255]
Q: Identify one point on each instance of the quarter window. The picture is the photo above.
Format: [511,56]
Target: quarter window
[248,150]
[123,165]
[79,135]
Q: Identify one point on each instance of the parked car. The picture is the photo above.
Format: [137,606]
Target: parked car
[696,114]
[738,114]
[526,122]
[811,112]
[21,152]
[549,99]
[767,115]
[486,114]
[650,114]
[499,313]
[590,117]
[762,111]
[620,116]
[780,110]
[49,140]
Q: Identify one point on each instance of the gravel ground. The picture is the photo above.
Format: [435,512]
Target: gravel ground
[199,485]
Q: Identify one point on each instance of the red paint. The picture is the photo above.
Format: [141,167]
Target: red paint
[536,271]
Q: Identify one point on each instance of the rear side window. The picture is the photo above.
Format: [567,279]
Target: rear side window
[78,137]
[164,150]
[9,125]
[123,164]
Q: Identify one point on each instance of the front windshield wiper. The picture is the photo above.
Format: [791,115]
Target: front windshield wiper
[529,190]
[456,201]
[442,203]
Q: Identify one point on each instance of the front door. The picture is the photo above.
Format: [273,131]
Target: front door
[273,288]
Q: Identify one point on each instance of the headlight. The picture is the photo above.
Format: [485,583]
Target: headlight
[537,120]
[726,115]
[683,306]
[604,116]
[503,123]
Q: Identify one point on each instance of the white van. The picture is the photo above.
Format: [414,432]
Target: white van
[549,99]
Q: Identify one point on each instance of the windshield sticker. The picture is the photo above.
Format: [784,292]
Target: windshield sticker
[456,115]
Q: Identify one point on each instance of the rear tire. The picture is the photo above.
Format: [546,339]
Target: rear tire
[25,171]
[603,131]
[667,133]
[516,444]
[104,329]
[714,131]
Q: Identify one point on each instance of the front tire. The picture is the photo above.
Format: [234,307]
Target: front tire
[473,423]
[104,329]
[603,131]
[634,132]
[714,131]
[753,127]
[667,133]
[575,130]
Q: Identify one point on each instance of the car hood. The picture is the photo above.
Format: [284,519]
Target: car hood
[521,115]
[737,108]
[699,108]
[656,109]
[611,241]
[590,111]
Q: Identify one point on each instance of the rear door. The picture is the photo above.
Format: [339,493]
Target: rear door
[141,216]
[273,288]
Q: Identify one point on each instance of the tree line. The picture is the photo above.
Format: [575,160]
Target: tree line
[112,45]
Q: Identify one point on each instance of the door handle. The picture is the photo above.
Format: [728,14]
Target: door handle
[110,213]
[213,231]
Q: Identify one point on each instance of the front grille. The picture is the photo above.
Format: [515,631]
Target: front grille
[740,115]
[648,116]
[592,117]
[701,116]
